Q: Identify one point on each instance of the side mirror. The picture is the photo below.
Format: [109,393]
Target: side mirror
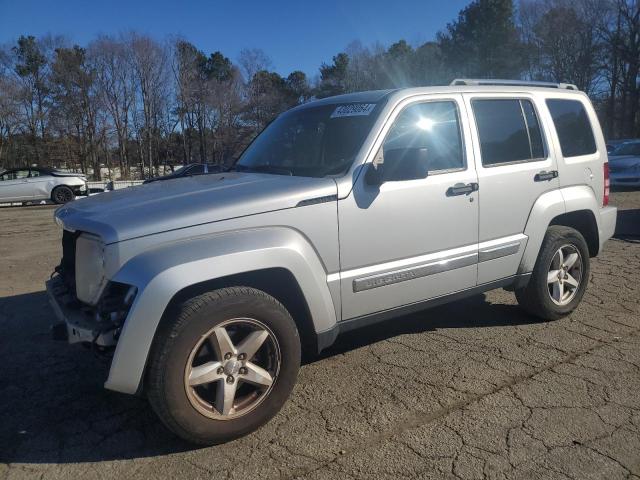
[375,170]
[397,165]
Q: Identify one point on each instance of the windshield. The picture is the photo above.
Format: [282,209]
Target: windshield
[311,142]
[177,171]
[627,149]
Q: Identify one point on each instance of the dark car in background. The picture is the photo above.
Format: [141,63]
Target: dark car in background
[188,171]
[613,144]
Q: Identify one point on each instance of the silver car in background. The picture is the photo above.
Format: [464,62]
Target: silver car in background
[624,164]
[35,183]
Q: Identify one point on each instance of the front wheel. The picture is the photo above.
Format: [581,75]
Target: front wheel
[560,275]
[62,195]
[224,366]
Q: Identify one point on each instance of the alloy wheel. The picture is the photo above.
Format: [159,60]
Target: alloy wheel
[565,274]
[232,369]
[63,195]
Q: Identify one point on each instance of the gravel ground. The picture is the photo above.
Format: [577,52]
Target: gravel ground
[470,390]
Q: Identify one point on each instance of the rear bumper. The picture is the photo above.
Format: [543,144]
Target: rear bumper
[81,324]
[607,224]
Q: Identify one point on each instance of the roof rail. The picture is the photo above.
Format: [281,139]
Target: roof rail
[514,83]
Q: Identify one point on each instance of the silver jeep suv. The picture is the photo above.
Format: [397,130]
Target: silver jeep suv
[344,212]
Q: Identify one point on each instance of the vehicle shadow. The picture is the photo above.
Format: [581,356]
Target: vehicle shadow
[628,225]
[55,409]
[453,315]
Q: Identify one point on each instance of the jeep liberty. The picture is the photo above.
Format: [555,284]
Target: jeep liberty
[343,212]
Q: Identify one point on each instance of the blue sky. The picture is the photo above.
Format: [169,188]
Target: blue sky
[295,34]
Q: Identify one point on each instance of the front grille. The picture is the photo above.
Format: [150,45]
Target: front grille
[67,267]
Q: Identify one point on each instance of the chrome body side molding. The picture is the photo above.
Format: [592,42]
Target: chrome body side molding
[423,266]
[422,270]
[500,247]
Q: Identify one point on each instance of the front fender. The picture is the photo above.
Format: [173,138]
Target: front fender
[161,273]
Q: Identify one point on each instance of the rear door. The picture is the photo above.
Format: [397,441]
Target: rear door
[37,185]
[516,165]
[14,186]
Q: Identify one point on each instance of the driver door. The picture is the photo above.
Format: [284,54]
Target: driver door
[407,241]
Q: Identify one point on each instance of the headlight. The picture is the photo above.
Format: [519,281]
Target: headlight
[89,268]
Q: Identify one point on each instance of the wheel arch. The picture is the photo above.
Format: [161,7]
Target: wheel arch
[165,275]
[278,282]
[584,221]
[574,207]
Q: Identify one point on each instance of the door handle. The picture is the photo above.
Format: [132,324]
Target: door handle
[544,175]
[462,189]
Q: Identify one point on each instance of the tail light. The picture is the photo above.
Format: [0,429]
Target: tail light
[607,184]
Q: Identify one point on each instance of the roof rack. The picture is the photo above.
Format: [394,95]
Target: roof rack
[514,83]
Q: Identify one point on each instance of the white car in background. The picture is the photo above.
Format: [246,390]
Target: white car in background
[35,183]
[624,165]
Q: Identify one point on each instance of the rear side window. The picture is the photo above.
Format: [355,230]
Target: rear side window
[573,127]
[509,131]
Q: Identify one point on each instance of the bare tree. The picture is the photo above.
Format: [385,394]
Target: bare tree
[10,120]
[149,62]
[253,60]
[116,87]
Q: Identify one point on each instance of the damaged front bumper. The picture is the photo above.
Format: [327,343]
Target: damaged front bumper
[79,323]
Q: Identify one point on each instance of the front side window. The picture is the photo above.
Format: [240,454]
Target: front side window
[432,127]
[311,142]
[573,127]
[509,131]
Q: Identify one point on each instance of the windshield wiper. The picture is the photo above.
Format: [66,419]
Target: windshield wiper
[265,168]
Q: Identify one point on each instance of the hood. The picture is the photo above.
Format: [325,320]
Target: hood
[184,202]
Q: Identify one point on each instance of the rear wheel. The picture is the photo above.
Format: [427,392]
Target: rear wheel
[560,275]
[224,366]
[62,194]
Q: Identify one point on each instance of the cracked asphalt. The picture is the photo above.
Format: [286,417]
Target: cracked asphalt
[474,389]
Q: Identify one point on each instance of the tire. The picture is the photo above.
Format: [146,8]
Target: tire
[183,408]
[540,296]
[62,194]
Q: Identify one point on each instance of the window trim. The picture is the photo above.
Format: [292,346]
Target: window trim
[465,163]
[596,150]
[545,143]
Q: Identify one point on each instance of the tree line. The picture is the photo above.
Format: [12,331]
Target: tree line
[132,103]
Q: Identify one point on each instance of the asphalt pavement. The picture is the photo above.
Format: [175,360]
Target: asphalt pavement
[475,389]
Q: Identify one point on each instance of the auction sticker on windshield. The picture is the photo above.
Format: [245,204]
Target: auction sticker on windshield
[353,110]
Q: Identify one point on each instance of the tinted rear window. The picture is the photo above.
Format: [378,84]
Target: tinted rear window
[509,131]
[573,127]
